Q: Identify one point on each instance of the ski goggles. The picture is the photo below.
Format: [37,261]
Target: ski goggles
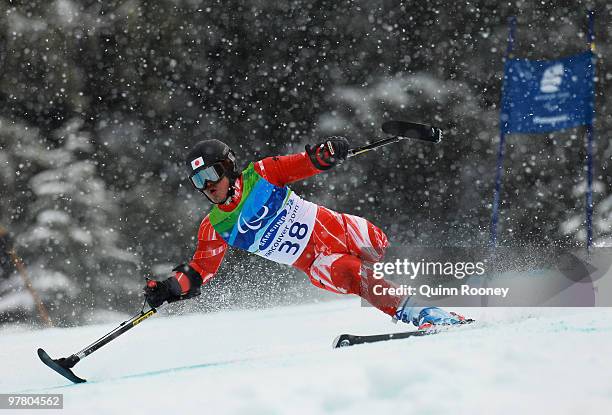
[213,174]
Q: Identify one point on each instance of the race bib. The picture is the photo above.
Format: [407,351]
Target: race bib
[285,238]
[270,221]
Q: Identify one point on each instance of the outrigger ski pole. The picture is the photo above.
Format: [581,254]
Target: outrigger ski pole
[401,130]
[64,364]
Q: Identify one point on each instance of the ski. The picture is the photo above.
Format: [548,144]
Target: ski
[346,340]
[61,366]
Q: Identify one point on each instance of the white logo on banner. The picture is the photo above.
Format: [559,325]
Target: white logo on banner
[552,78]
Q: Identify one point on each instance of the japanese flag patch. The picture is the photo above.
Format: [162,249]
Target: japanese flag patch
[199,162]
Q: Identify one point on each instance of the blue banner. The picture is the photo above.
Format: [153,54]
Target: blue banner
[542,96]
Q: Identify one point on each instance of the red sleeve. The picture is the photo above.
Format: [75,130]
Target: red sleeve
[208,255]
[281,170]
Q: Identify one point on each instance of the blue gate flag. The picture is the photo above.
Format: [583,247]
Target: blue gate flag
[540,96]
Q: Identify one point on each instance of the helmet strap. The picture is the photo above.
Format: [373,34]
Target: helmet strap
[231,191]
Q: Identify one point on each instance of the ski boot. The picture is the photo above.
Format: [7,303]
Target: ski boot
[425,318]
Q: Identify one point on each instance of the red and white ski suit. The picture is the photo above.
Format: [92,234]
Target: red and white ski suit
[338,256]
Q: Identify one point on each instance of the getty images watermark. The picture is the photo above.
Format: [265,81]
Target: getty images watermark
[411,270]
[505,277]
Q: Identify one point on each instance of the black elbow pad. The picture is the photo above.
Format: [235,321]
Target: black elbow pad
[195,279]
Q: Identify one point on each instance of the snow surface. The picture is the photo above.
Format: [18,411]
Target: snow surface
[280,361]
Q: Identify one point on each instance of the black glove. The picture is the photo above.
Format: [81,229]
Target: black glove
[157,292]
[327,154]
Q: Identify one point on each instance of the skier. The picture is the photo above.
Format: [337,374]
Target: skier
[254,210]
